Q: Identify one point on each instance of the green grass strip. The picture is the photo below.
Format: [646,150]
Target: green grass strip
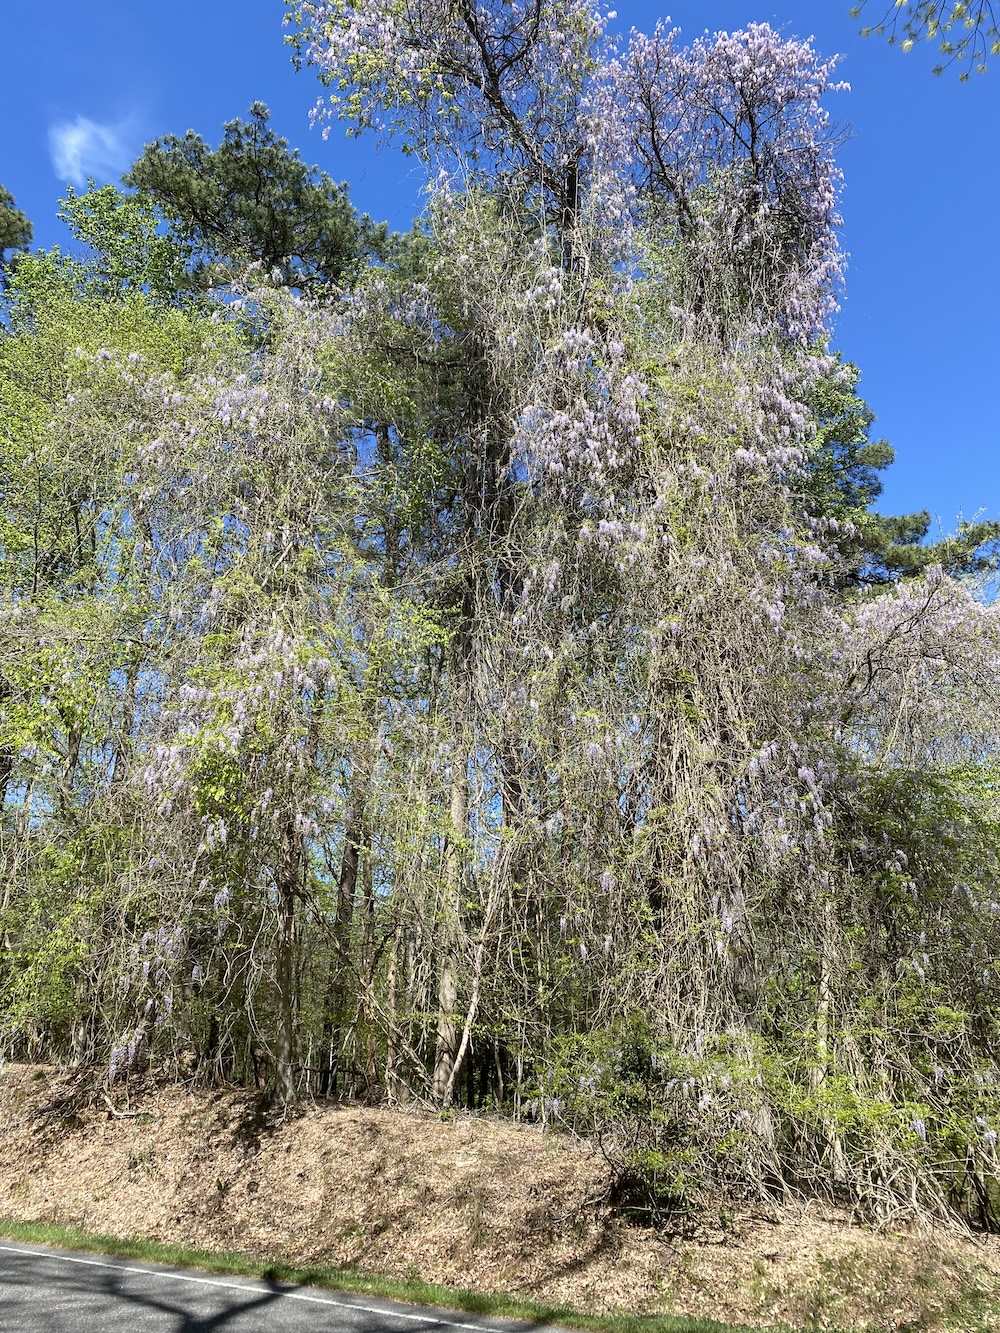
[409,1290]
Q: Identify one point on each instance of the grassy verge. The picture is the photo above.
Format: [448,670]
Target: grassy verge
[972,1312]
[410,1291]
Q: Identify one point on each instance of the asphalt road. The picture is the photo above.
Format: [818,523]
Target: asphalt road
[43,1290]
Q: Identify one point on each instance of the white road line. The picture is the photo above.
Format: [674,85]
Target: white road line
[297,1295]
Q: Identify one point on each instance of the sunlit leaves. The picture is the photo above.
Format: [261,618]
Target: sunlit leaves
[963,32]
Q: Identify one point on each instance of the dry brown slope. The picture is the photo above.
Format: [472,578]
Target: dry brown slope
[466,1201]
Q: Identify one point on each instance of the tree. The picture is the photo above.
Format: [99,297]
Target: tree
[126,250]
[732,151]
[842,484]
[78,345]
[963,29]
[197,529]
[728,137]
[15,229]
[252,200]
[504,94]
[675,715]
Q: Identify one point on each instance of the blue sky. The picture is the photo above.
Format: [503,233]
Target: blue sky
[89,81]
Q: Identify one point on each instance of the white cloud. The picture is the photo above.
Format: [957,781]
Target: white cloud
[82,148]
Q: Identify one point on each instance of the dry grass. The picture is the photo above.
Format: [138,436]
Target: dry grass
[463,1202]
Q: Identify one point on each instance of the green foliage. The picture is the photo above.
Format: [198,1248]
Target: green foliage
[656,1113]
[39,984]
[15,229]
[73,324]
[128,252]
[252,200]
[842,484]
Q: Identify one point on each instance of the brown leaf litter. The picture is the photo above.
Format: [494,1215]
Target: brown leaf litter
[467,1201]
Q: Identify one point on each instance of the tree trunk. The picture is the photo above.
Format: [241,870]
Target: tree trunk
[286,1082]
[392,1020]
[820,1070]
[446,1048]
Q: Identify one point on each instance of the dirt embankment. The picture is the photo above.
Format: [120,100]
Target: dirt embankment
[465,1201]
